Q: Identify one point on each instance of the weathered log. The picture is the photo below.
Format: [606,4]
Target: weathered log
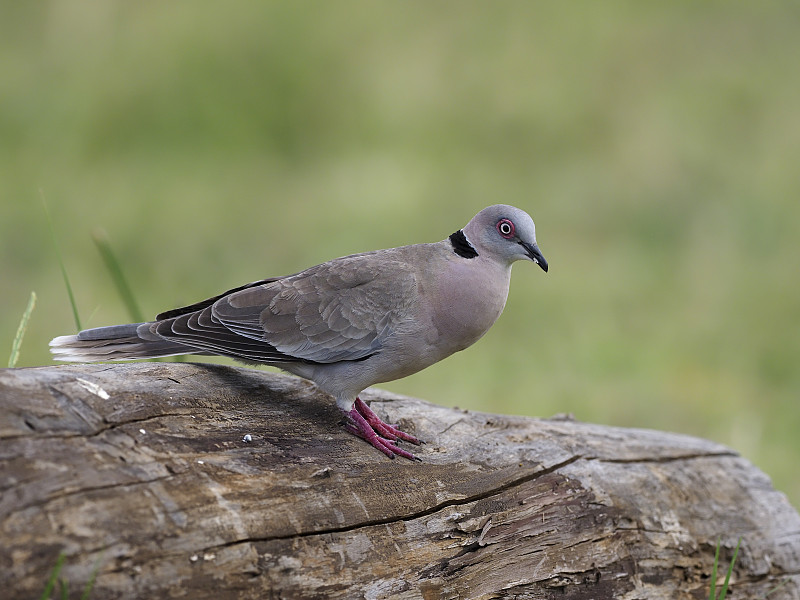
[143,471]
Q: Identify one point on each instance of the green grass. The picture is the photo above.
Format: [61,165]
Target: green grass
[60,258]
[117,275]
[776,588]
[53,579]
[655,144]
[120,281]
[16,346]
[723,592]
[63,588]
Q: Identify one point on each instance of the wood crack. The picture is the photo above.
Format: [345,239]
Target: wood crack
[305,514]
[113,426]
[662,459]
[43,435]
[40,503]
[410,517]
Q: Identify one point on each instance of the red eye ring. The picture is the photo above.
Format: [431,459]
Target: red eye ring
[506,228]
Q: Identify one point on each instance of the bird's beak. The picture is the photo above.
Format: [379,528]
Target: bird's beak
[533,252]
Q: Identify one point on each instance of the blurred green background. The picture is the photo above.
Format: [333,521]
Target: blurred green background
[657,146]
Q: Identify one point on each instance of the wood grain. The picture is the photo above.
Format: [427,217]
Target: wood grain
[143,470]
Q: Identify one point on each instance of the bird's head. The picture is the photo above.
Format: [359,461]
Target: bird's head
[505,233]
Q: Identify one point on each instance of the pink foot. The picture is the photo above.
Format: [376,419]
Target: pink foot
[364,423]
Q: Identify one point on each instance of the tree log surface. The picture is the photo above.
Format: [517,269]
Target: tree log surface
[142,472]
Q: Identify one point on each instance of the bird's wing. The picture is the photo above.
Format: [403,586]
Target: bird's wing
[197,306]
[340,310]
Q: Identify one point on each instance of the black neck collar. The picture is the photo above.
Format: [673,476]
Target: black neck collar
[461,245]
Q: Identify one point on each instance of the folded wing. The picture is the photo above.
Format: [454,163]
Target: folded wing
[343,310]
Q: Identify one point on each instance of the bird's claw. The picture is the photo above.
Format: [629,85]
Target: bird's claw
[364,423]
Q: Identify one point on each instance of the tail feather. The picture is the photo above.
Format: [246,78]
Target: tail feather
[109,333]
[118,342]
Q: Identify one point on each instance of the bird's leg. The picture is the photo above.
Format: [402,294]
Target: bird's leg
[388,431]
[368,427]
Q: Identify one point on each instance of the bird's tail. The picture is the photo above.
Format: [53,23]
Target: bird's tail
[118,342]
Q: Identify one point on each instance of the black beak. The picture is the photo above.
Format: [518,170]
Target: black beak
[532,250]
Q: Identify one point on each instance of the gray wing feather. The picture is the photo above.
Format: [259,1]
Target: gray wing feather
[343,310]
[340,310]
[201,331]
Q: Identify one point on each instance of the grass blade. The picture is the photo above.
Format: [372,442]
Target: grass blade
[87,589]
[776,588]
[115,270]
[61,264]
[51,583]
[23,325]
[724,591]
[712,594]
[120,282]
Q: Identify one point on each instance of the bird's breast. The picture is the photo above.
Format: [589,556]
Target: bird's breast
[469,297]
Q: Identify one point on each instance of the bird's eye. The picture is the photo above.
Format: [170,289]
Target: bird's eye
[505,228]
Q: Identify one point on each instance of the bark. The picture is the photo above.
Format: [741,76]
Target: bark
[142,471]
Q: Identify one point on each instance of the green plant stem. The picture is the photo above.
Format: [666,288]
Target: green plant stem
[776,588]
[115,270]
[712,594]
[61,264]
[23,326]
[51,583]
[724,591]
[87,589]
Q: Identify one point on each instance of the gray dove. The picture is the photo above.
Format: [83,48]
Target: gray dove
[348,323]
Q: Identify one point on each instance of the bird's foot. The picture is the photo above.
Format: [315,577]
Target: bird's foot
[364,423]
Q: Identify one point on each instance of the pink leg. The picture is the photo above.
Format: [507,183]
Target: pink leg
[388,431]
[364,423]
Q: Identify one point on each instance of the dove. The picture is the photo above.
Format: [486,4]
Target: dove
[348,323]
